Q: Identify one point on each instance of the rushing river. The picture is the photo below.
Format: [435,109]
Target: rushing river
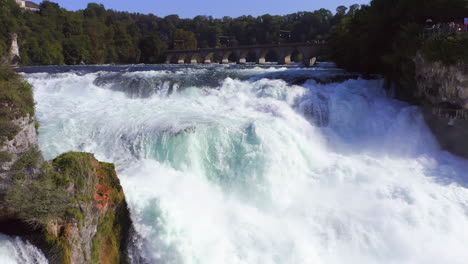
[249,165]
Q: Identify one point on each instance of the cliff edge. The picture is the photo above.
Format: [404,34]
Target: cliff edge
[443,89]
[13,57]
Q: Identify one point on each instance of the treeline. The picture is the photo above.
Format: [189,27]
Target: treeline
[384,37]
[96,35]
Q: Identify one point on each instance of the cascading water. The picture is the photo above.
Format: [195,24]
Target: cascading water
[15,250]
[234,165]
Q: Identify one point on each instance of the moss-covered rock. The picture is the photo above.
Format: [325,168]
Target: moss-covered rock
[16,96]
[96,222]
[18,135]
[79,207]
[73,207]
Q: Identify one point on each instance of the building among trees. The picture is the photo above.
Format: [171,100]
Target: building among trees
[28,5]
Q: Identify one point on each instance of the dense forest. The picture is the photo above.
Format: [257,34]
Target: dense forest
[97,35]
[381,37]
[386,35]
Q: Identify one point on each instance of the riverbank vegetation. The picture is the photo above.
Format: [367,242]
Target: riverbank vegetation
[96,35]
[16,101]
[384,36]
[449,49]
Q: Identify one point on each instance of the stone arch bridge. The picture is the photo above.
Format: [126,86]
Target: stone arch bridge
[260,54]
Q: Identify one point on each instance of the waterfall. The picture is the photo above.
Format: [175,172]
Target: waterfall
[237,165]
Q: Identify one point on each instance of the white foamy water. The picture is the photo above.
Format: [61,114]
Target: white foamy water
[15,250]
[265,172]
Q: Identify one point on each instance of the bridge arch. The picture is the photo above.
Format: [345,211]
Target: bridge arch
[176,58]
[195,58]
[297,56]
[267,55]
[208,57]
[169,58]
[284,55]
[230,56]
[246,56]
[272,55]
[309,55]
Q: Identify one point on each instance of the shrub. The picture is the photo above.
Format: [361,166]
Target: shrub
[49,172]
[5,156]
[37,202]
[28,160]
[8,130]
[16,101]
[75,214]
[447,48]
[74,167]
[16,95]
[3,48]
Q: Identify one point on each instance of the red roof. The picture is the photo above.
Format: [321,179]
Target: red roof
[32,5]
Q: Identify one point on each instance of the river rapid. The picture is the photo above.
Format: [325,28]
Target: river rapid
[258,165]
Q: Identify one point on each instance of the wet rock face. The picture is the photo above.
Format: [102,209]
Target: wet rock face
[13,57]
[73,208]
[451,136]
[86,219]
[440,83]
[97,223]
[444,86]
[25,140]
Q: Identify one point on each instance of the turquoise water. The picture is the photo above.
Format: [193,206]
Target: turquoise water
[236,165]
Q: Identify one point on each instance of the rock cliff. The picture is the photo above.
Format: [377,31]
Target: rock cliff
[13,56]
[73,208]
[444,87]
[439,83]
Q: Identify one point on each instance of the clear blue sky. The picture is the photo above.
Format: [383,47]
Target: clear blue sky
[215,8]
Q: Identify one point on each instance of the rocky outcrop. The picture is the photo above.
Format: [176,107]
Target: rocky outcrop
[13,58]
[96,222]
[452,135]
[439,83]
[26,139]
[73,208]
[442,87]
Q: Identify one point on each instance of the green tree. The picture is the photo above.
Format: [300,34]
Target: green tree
[98,35]
[151,49]
[184,39]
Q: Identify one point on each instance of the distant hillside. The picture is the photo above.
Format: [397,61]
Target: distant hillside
[95,35]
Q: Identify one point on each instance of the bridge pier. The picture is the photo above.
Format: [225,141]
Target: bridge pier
[194,57]
[284,60]
[168,59]
[207,57]
[225,57]
[181,58]
[243,57]
[309,62]
[284,55]
[261,60]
